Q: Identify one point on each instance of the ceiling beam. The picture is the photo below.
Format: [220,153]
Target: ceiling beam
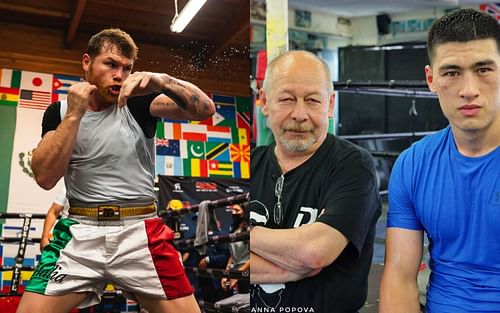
[166,9]
[76,17]
[19,8]
[148,7]
[144,27]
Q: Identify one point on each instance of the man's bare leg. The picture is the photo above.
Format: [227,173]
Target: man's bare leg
[37,303]
[186,304]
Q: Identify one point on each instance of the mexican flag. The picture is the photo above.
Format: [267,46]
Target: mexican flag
[24,96]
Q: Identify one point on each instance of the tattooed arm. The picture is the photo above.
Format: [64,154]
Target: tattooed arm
[179,99]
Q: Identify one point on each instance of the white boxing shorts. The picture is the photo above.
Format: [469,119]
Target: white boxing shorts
[137,257]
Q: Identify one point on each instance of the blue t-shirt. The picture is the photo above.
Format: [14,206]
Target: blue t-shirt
[456,200]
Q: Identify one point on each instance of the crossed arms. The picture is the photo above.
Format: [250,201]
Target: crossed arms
[285,255]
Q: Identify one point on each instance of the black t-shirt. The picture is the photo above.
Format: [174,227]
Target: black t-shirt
[339,178]
[138,106]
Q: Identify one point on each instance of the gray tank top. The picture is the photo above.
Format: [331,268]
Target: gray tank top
[112,159]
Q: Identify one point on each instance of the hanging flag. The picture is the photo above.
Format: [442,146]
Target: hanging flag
[220,169]
[492,9]
[58,97]
[243,112]
[217,151]
[225,115]
[195,150]
[8,126]
[240,153]
[224,99]
[61,83]
[10,78]
[27,136]
[241,170]
[9,96]
[195,167]
[218,134]
[243,135]
[169,165]
[34,99]
[36,81]
[160,129]
[168,147]
[194,132]
[184,149]
[172,131]
[235,135]
[209,121]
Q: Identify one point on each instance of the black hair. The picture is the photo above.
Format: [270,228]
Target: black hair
[461,26]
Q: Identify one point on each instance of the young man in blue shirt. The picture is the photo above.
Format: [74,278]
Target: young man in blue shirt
[448,184]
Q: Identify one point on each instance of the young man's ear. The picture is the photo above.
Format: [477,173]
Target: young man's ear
[429,78]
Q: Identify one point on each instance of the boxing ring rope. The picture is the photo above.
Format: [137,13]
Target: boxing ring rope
[218,273]
[211,205]
[384,154]
[413,84]
[211,307]
[386,88]
[22,215]
[387,136]
[18,239]
[215,239]
[213,273]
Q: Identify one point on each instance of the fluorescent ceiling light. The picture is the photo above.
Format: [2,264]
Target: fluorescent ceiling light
[180,21]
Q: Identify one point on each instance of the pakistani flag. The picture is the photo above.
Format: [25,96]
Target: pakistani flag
[196,149]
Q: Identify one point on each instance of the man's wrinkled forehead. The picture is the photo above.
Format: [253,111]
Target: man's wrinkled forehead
[298,70]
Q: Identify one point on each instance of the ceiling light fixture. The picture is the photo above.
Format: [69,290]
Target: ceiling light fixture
[180,20]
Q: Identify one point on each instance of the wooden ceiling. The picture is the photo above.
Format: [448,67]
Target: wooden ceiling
[216,40]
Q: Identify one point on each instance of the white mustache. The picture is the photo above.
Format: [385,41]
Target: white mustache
[298,128]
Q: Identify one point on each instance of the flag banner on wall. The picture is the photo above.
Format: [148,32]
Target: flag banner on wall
[220,169]
[240,153]
[34,96]
[211,139]
[10,78]
[28,94]
[169,165]
[38,100]
[218,151]
[492,9]
[36,81]
[9,96]
[241,169]
[25,196]
[61,83]
[243,113]
[168,147]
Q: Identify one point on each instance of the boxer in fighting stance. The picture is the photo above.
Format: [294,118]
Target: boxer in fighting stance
[102,141]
